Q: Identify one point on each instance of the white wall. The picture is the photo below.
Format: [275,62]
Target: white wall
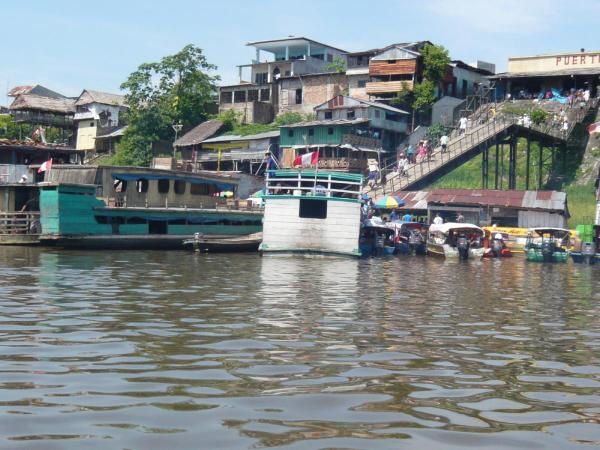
[533,219]
[284,230]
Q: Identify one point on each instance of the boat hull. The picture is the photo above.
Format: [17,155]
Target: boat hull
[447,251]
[580,258]
[535,255]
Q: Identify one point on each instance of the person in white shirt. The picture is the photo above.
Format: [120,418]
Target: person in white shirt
[462,125]
[444,142]
[438,219]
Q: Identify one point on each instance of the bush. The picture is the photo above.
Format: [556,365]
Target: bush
[538,116]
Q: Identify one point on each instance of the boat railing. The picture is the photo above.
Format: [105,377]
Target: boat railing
[313,183]
[20,223]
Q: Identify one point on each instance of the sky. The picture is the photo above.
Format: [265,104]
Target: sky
[69,45]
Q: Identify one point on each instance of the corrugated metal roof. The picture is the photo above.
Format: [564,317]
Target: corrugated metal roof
[314,123]
[199,133]
[235,138]
[89,96]
[540,200]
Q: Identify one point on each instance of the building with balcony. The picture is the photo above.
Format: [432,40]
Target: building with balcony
[256,96]
[98,114]
[347,132]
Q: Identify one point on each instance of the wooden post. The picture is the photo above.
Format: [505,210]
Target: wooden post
[528,159]
[540,164]
[496,174]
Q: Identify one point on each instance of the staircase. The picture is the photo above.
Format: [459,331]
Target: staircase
[465,146]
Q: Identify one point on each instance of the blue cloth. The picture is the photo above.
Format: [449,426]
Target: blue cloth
[393,216]
[407,218]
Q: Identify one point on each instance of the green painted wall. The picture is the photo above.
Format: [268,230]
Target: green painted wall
[321,135]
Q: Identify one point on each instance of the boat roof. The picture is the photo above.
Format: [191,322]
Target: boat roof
[549,230]
[311,173]
[454,226]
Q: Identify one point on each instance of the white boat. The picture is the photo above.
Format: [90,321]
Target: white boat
[308,211]
[455,240]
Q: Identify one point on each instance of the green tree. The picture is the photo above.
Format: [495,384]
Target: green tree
[338,65]
[435,63]
[424,93]
[404,98]
[177,89]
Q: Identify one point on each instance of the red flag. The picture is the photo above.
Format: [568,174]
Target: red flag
[307,160]
[46,165]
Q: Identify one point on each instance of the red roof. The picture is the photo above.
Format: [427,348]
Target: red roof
[541,200]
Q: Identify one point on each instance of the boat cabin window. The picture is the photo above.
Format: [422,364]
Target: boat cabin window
[141,185]
[120,185]
[163,186]
[313,209]
[179,187]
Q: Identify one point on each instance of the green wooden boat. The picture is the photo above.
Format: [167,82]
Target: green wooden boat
[72,216]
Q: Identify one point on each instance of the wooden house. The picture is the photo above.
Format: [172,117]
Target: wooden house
[347,133]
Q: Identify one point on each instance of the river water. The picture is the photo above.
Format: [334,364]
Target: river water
[175,350]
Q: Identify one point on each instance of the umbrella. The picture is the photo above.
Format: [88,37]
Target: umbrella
[389,202]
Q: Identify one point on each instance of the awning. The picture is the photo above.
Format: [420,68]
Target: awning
[192,180]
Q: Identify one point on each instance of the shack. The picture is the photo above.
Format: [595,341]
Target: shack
[524,209]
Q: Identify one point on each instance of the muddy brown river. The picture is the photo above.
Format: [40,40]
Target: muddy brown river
[175,350]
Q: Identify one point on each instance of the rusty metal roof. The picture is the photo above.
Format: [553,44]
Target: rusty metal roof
[199,133]
[538,200]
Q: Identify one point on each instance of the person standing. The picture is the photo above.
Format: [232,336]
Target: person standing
[438,219]
[460,218]
[462,125]
[410,154]
[444,142]
[407,217]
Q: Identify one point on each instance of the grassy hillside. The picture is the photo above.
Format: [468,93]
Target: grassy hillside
[555,175]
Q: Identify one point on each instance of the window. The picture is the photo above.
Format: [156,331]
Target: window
[239,97]
[391,61]
[362,83]
[393,117]
[91,124]
[287,73]
[330,130]
[311,131]
[163,186]
[179,187]
[265,95]
[377,114]
[328,114]
[253,95]
[313,209]
[226,97]
[350,114]
[136,221]
[298,96]
[141,185]
[290,133]
[359,60]
[329,57]
[261,78]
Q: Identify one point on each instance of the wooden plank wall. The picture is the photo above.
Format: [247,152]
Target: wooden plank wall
[399,67]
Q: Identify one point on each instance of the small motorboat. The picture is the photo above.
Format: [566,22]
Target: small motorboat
[495,244]
[410,237]
[376,239]
[455,240]
[588,250]
[224,244]
[547,245]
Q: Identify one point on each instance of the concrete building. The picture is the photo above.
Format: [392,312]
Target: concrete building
[98,114]
[302,93]
[256,96]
